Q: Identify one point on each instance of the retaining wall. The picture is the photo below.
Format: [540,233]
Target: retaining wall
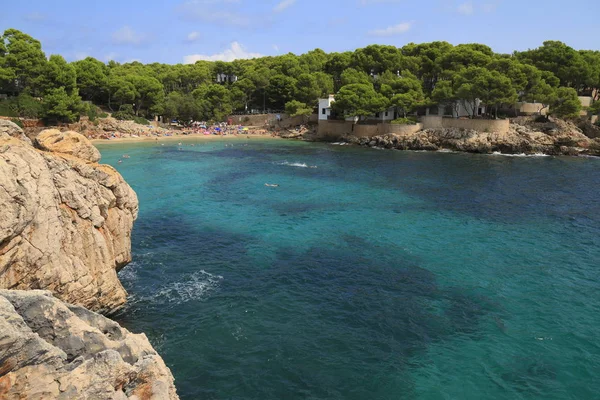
[335,129]
[481,125]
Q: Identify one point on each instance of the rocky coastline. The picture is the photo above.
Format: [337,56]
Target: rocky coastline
[65,232]
[525,136]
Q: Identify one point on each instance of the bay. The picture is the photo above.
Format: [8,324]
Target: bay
[365,274]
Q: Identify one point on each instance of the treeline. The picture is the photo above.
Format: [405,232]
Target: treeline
[366,81]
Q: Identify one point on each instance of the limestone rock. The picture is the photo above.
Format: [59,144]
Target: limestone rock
[53,350]
[10,129]
[67,143]
[65,223]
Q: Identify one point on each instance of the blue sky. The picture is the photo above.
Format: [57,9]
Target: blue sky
[184,31]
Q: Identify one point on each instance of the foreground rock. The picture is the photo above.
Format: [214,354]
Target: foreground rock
[65,221]
[52,350]
[553,138]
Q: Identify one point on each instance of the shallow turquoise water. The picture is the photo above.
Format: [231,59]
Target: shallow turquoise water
[375,275]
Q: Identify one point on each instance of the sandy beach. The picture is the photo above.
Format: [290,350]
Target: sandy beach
[150,139]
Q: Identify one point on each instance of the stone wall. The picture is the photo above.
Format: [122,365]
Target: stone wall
[333,130]
[531,108]
[480,125]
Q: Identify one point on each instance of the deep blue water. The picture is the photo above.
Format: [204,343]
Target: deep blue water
[375,275]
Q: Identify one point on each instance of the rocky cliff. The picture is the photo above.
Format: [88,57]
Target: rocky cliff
[65,220]
[52,350]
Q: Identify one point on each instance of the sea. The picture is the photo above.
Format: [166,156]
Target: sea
[273,269]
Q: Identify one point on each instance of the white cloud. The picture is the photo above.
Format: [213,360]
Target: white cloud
[392,30]
[283,5]
[126,35]
[234,52]
[466,8]
[193,36]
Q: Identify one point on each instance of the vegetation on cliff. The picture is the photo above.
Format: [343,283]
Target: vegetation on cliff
[366,80]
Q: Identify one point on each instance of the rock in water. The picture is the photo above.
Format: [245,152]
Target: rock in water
[53,350]
[65,221]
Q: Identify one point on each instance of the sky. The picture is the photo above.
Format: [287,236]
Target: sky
[184,31]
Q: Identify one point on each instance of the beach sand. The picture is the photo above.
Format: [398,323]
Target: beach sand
[150,139]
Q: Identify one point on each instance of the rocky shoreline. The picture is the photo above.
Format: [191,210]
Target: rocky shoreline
[65,227]
[525,136]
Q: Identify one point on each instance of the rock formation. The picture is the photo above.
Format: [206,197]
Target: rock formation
[52,350]
[65,221]
[553,138]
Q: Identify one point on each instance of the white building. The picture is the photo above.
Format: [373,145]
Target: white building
[325,111]
[460,109]
[224,78]
[325,107]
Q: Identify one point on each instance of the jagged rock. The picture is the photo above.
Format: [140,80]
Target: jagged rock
[53,350]
[8,128]
[67,143]
[65,223]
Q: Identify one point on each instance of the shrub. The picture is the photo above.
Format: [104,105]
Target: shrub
[18,122]
[103,115]
[125,112]
[141,121]
[60,106]
[246,119]
[405,121]
[541,118]
[23,106]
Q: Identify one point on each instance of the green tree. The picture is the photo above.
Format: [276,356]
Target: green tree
[568,65]
[296,108]
[307,89]
[280,90]
[22,63]
[57,73]
[595,108]
[541,93]
[444,95]
[214,102]
[60,106]
[567,104]
[92,77]
[359,100]
[493,89]
[149,92]
[351,76]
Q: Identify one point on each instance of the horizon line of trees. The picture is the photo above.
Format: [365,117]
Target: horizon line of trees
[365,81]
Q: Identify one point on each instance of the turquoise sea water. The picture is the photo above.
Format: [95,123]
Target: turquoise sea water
[375,275]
